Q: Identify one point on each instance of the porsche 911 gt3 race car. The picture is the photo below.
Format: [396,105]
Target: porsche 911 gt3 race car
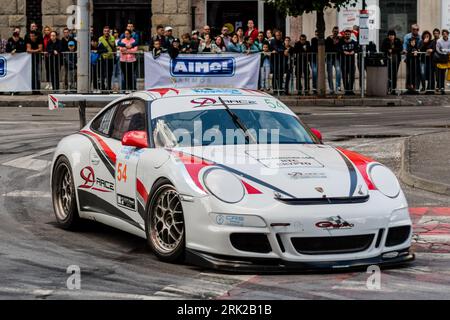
[231,179]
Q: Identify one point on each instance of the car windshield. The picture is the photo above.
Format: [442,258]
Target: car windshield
[217,127]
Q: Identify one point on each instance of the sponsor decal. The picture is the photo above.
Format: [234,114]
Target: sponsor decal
[131,152]
[126,202]
[3,67]
[93,183]
[333,223]
[230,220]
[203,102]
[307,175]
[202,66]
[217,91]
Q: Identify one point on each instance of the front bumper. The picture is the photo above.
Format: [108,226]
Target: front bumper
[241,264]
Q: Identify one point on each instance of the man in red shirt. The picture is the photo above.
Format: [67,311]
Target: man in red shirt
[251,32]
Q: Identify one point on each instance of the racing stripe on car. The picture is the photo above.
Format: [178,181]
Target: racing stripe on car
[194,164]
[91,202]
[360,162]
[100,153]
[142,197]
[352,173]
[106,149]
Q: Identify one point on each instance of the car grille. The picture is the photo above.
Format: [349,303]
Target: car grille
[332,245]
[397,235]
[252,242]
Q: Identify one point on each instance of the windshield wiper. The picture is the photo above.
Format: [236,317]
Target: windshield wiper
[239,123]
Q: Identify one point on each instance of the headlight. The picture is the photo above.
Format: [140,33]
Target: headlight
[224,185]
[384,180]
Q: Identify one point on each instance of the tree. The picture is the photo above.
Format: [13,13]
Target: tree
[299,7]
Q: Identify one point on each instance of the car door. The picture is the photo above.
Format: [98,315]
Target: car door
[130,116]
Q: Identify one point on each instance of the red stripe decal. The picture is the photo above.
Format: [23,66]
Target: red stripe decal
[193,166]
[250,189]
[360,163]
[141,190]
[163,91]
[108,151]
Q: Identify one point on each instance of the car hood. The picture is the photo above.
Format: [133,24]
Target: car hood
[304,171]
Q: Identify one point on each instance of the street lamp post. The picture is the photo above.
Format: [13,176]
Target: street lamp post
[83,59]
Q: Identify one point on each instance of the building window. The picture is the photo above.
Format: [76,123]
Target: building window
[234,14]
[398,15]
[34,12]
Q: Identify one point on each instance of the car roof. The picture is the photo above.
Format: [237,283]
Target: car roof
[158,93]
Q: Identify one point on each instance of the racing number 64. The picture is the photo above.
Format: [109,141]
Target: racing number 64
[121,173]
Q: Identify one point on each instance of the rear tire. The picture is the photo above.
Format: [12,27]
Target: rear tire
[164,223]
[63,195]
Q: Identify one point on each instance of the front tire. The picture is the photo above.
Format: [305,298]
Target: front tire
[63,195]
[164,223]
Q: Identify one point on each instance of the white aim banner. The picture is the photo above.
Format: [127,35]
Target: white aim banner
[15,72]
[210,70]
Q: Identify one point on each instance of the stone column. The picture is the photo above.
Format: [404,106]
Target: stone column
[174,13]
[12,14]
[54,13]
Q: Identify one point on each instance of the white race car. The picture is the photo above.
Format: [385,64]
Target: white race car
[231,179]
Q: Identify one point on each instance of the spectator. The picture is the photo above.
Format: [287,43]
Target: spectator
[392,47]
[413,34]
[35,47]
[234,45]
[45,40]
[174,49]
[264,67]
[66,38]
[54,54]
[302,49]
[206,31]
[269,35]
[168,37]
[251,32]
[240,34]
[134,35]
[207,45]
[412,66]
[33,27]
[443,49]
[220,43]
[15,44]
[288,52]
[157,49]
[225,36]
[71,61]
[249,46]
[331,49]
[186,43]
[158,36]
[118,81]
[436,35]
[107,58]
[347,50]
[3,43]
[427,72]
[128,60]
[277,47]
[96,51]
[260,40]
[195,41]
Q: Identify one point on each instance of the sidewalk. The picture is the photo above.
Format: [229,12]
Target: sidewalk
[292,101]
[426,162]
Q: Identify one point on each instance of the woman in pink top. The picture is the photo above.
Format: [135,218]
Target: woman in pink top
[128,61]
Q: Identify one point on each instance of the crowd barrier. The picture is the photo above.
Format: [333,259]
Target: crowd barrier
[293,74]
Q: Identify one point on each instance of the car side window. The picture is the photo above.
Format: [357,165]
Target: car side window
[102,123]
[130,116]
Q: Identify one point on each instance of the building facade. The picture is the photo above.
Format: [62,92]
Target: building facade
[185,15]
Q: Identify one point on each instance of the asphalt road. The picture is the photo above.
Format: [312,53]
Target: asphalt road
[35,253]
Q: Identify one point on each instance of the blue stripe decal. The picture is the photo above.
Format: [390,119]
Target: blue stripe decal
[351,171]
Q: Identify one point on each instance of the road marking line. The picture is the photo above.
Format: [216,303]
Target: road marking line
[28,162]
[28,194]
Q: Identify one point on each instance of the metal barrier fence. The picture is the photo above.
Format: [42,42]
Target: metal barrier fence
[292,74]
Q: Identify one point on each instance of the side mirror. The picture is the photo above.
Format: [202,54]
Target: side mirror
[317,133]
[136,139]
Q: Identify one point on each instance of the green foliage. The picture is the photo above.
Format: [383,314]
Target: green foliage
[298,7]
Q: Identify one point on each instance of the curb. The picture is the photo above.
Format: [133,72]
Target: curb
[414,181]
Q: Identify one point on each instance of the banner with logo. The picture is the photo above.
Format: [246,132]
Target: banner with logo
[210,70]
[15,72]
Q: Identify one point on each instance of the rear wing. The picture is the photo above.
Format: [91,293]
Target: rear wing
[56,101]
